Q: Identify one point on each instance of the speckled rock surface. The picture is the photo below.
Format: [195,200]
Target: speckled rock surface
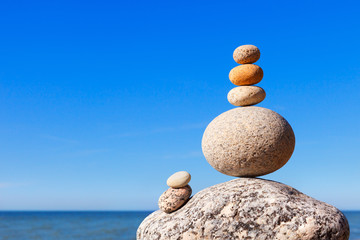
[248,141]
[248,208]
[246,54]
[246,95]
[173,198]
[247,74]
[179,179]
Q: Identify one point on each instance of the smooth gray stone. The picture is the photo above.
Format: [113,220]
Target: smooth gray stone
[248,208]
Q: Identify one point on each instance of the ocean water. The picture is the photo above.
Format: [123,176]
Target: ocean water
[92,225]
[70,225]
[354,221]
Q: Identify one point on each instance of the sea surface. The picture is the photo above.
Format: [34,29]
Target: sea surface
[92,225]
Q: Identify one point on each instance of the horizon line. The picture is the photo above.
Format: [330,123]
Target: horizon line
[92,210]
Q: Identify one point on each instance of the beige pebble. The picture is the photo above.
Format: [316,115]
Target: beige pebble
[248,142]
[246,54]
[247,74]
[174,198]
[246,95]
[179,179]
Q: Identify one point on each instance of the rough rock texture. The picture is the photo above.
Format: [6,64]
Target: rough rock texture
[179,179]
[173,198]
[246,95]
[246,54]
[248,142]
[248,208]
[247,74]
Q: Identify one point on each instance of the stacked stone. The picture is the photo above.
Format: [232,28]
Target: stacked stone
[246,75]
[178,193]
[248,141]
[245,142]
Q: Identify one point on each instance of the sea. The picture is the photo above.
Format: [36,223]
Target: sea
[92,225]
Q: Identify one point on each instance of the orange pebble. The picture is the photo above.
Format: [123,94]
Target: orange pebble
[247,74]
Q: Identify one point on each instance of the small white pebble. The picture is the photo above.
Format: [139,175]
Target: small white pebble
[179,179]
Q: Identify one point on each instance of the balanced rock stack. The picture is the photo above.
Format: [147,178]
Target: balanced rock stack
[178,193]
[246,75]
[244,142]
[248,141]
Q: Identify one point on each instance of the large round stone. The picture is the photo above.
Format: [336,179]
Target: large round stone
[248,208]
[248,142]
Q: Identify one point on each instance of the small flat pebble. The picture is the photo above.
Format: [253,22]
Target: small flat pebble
[179,179]
[246,54]
[246,95]
[174,198]
[247,74]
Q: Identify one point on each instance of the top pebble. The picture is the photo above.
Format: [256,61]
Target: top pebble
[246,54]
[179,179]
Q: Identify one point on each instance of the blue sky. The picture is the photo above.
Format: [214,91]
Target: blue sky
[101,101]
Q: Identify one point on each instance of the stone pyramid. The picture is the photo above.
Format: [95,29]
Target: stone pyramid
[244,142]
